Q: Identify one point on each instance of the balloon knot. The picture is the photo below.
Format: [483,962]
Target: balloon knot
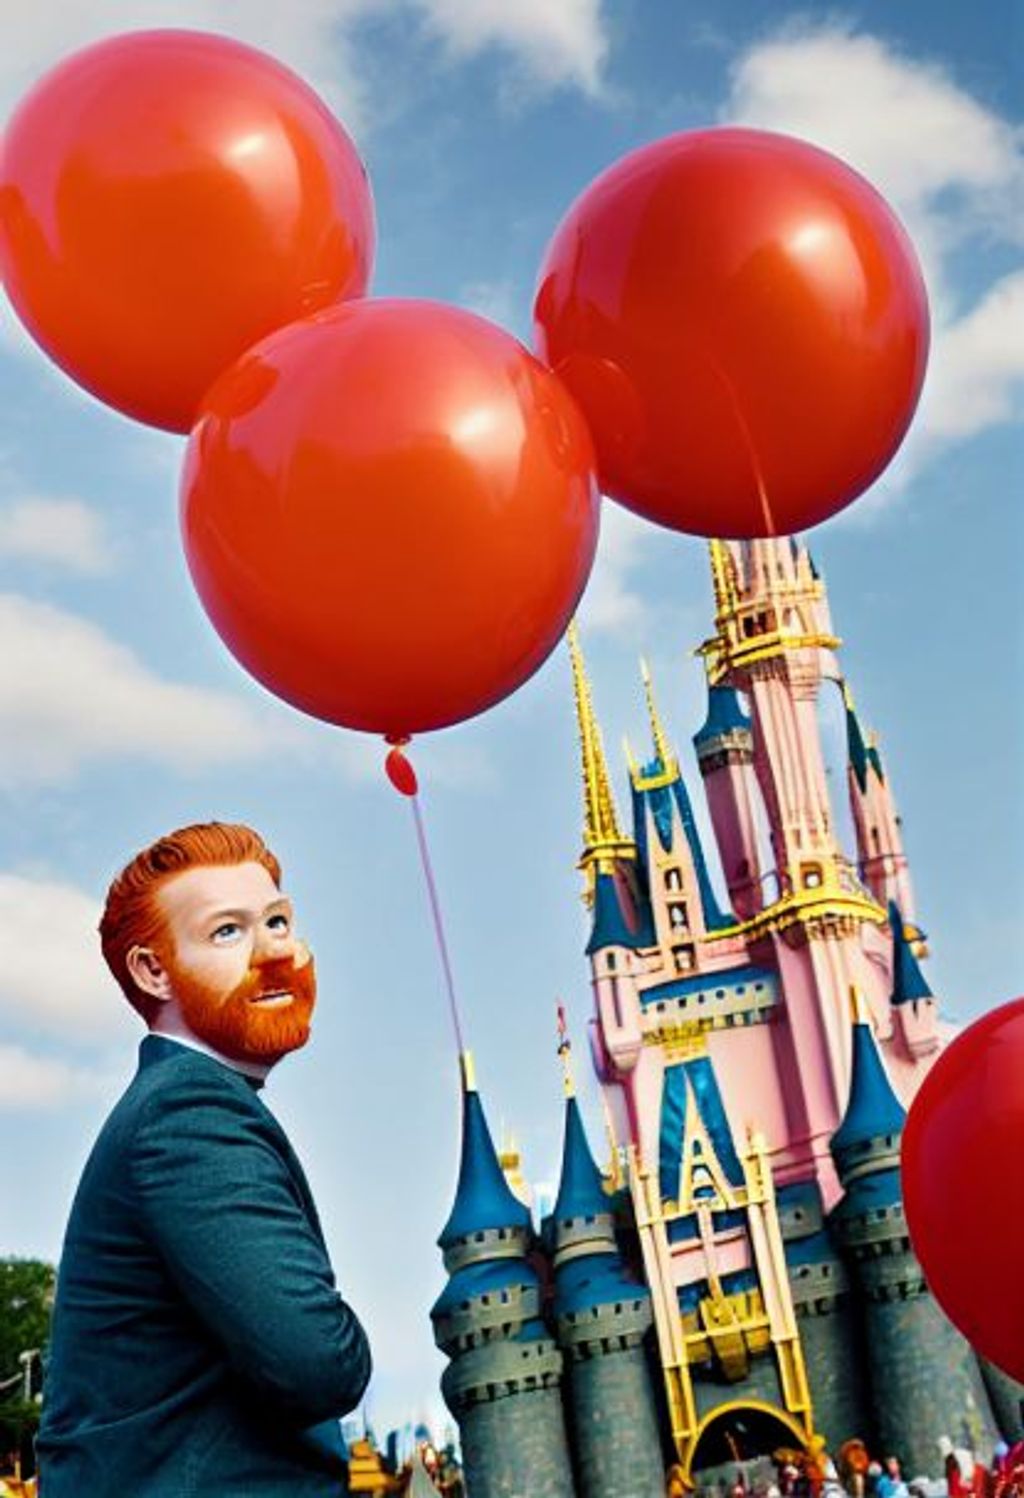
[398,768]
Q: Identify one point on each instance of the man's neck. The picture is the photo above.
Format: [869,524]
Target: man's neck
[173,1027]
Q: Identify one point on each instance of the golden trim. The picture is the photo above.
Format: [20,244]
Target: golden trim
[603,838]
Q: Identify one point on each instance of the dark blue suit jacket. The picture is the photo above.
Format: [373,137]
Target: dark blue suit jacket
[199,1344]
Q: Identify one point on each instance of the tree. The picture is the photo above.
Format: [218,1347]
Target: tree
[26,1296]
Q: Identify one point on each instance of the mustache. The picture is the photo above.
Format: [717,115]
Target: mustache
[277,975]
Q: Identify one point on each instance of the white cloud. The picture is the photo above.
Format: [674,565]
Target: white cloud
[978,375]
[954,172]
[558,41]
[53,980]
[70,694]
[609,603]
[62,532]
[32,1083]
[308,36]
[555,41]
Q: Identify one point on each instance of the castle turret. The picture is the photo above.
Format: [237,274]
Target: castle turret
[827,1317]
[683,902]
[773,642]
[602,1316]
[621,914]
[925,1379]
[725,753]
[503,1381]
[880,856]
[915,1017]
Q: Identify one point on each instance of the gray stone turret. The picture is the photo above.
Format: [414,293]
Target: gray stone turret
[827,1317]
[925,1379]
[503,1381]
[602,1316]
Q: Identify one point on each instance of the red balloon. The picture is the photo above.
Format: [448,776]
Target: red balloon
[743,321]
[389,511]
[963,1183]
[167,198]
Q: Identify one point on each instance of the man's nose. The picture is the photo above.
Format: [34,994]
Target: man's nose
[270,945]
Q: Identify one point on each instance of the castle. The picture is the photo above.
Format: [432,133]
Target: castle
[742,1279]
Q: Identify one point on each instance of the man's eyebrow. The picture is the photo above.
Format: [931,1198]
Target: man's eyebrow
[241,913]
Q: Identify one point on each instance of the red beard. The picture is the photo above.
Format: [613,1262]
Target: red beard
[237,1025]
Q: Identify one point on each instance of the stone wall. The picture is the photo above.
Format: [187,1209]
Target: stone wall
[926,1382]
[516,1448]
[613,1425]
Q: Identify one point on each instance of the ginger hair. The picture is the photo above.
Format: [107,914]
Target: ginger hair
[132,917]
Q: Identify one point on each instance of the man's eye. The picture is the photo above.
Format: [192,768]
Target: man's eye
[227,931]
[279,923]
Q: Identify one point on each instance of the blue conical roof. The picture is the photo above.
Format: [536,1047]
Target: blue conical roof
[873,1110]
[663,801]
[725,715]
[483,1198]
[862,754]
[622,912]
[580,1192]
[908,981]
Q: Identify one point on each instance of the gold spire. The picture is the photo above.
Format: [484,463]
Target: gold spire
[565,1054]
[603,839]
[720,576]
[859,1010]
[467,1068]
[661,746]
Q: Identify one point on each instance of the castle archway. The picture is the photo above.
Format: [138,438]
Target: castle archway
[741,1430]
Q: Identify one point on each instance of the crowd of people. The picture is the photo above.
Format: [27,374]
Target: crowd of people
[855,1473]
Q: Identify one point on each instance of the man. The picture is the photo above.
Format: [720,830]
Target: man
[199,1344]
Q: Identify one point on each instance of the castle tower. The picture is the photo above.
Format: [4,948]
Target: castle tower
[673,969]
[774,643]
[880,856]
[503,1381]
[924,1378]
[912,1009]
[601,1316]
[725,753]
[827,1317]
[622,921]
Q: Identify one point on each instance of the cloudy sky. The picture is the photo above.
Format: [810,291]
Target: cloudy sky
[122,716]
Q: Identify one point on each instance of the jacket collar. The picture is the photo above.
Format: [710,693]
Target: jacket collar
[156,1048]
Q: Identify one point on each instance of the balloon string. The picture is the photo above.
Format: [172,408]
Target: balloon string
[748,443]
[435,908]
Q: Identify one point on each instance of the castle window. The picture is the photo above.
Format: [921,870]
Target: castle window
[673,879]
[683,959]
[811,875]
[719,993]
[677,916]
[610,961]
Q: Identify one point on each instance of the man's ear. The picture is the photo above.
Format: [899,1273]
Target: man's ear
[148,972]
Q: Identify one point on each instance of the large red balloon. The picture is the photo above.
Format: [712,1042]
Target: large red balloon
[963,1183]
[390,512]
[167,198]
[743,320]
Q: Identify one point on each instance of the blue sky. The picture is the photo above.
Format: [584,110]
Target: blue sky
[121,715]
